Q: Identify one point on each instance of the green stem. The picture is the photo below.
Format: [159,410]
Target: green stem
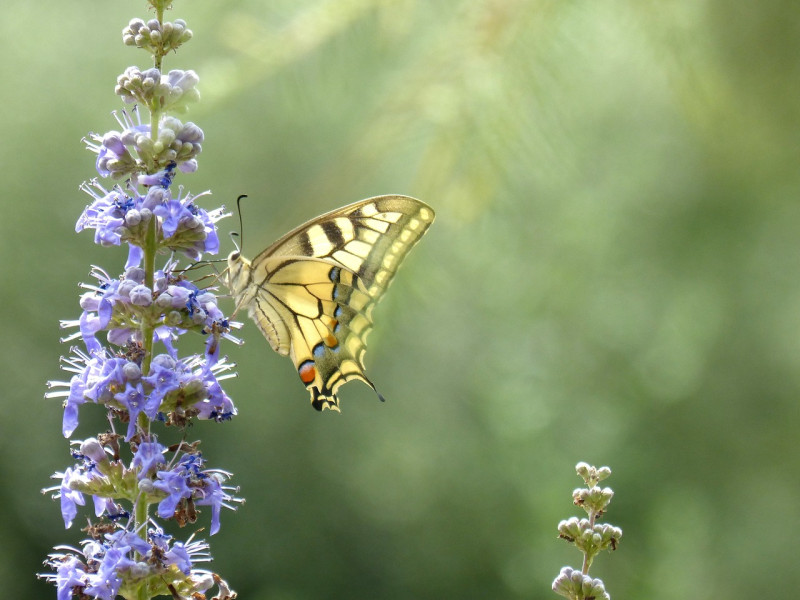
[150,247]
[154,118]
[160,17]
[155,113]
[140,519]
[587,560]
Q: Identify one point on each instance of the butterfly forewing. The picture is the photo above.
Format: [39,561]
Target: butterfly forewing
[312,292]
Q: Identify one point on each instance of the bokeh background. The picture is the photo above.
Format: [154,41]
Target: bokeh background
[613,277]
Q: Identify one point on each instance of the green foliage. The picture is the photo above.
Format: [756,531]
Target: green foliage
[614,258]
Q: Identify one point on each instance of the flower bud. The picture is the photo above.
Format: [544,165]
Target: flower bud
[135,274]
[92,449]
[141,295]
[125,288]
[131,371]
[146,486]
[89,302]
[173,318]
[133,217]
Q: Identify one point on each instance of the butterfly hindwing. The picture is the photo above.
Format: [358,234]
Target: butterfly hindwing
[312,292]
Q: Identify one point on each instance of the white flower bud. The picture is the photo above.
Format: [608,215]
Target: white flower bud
[131,371]
[141,295]
[135,274]
[133,217]
[125,287]
[92,449]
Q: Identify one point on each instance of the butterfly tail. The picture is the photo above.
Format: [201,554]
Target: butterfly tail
[327,399]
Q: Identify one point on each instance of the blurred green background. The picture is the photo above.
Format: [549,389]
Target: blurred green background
[613,277]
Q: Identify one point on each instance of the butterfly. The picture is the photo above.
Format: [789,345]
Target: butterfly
[312,292]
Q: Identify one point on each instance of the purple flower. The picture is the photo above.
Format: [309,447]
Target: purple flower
[187,227]
[135,401]
[187,479]
[113,149]
[105,583]
[106,214]
[118,216]
[218,406]
[179,556]
[106,506]
[114,159]
[70,499]
[105,378]
[211,494]
[163,380]
[70,573]
[100,569]
[135,256]
[134,369]
[161,178]
[148,456]
[74,400]
[174,484]
[127,540]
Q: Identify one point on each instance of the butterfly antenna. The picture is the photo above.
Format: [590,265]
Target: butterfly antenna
[202,263]
[235,235]
[241,221]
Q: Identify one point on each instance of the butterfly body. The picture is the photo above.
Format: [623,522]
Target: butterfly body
[312,292]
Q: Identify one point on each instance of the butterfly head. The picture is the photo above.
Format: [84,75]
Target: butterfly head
[237,274]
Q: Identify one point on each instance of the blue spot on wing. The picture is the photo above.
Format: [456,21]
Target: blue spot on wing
[319,350]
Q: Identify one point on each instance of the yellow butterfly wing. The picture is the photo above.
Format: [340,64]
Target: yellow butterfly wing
[312,292]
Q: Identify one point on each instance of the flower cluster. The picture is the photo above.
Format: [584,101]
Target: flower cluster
[150,88]
[140,148]
[571,583]
[119,216]
[177,487]
[588,536]
[125,353]
[155,36]
[119,563]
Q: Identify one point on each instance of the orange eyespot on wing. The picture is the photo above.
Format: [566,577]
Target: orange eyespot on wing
[307,372]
